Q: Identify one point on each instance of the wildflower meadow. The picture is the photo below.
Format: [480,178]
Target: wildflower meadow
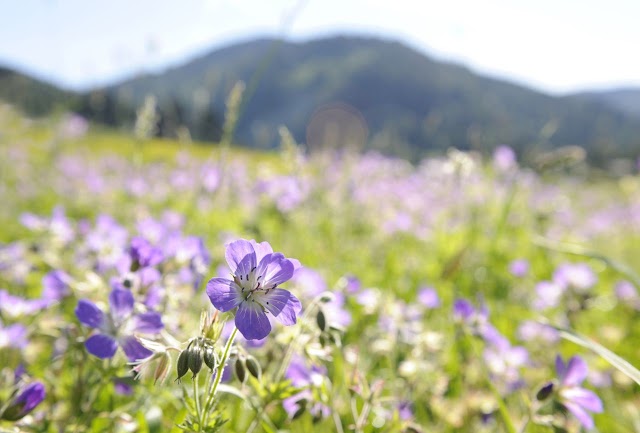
[153,285]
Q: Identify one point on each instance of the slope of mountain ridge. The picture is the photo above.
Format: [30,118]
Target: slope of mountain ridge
[410,104]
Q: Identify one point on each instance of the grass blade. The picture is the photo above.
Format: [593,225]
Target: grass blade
[620,363]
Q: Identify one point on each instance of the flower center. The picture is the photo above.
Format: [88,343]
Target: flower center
[252,286]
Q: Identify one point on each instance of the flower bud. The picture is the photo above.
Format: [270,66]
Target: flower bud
[302,408]
[241,372]
[210,358]
[24,402]
[327,297]
[545,391]
[183,363]
[321,320]
[195,359]
[253,367]
[162,368]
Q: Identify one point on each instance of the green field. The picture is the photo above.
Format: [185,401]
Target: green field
[385,354]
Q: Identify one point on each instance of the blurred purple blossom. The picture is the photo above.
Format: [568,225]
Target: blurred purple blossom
[579,401]
[530,330]
[626,292]
[58,226]
[519,268]
[73,126]
[548,295]
[504,362]
[504,158]
[303,376]
[577,276]
[351,283]
[428,297]
[309,282]
[118,327]
[13,305]
[143,253]
[55,285]
[14,335]
[476,319]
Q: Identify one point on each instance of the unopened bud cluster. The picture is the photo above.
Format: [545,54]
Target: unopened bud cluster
[199,351]
[330,334]
[246,363]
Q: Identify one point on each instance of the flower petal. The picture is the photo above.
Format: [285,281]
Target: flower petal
[133,349]
[101,345]
[224,294]
[121,303]
[252,322]
[236,252]
[31,396]
[581,414]
[283,305]
[55,285]
[575,373]
[89,314]
[261,249]
[296,264]
[275,269]
[560,367]
[150,323]
[462,309]
[584,397]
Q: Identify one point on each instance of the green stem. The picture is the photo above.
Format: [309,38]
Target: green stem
[502,407]
[223,361]
[196,398]
[362,418]
[290,349]
[256,419]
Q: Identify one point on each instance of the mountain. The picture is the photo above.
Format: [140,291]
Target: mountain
[33,96]
[624,99]
[340,91]
[410,103]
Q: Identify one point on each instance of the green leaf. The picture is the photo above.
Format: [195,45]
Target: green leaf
[502,408]
[232,390]
[578,250]
[613,359]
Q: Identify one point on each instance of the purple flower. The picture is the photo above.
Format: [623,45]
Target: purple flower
[73,126]
[117,328]
[519,268]
[578,276]
[504,362]
[24,402]
[504,158]
[14,306]
[302,376]
[627,294]
[530,330]
[310,282]
[58,225]
[352,284]
[477,319]
[257,272]
[405,410]
[55,285]
[579,401]
[548,295]
[143,253]
[428,297]
[13,336]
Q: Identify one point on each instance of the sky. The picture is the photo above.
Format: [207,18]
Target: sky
[556,46]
